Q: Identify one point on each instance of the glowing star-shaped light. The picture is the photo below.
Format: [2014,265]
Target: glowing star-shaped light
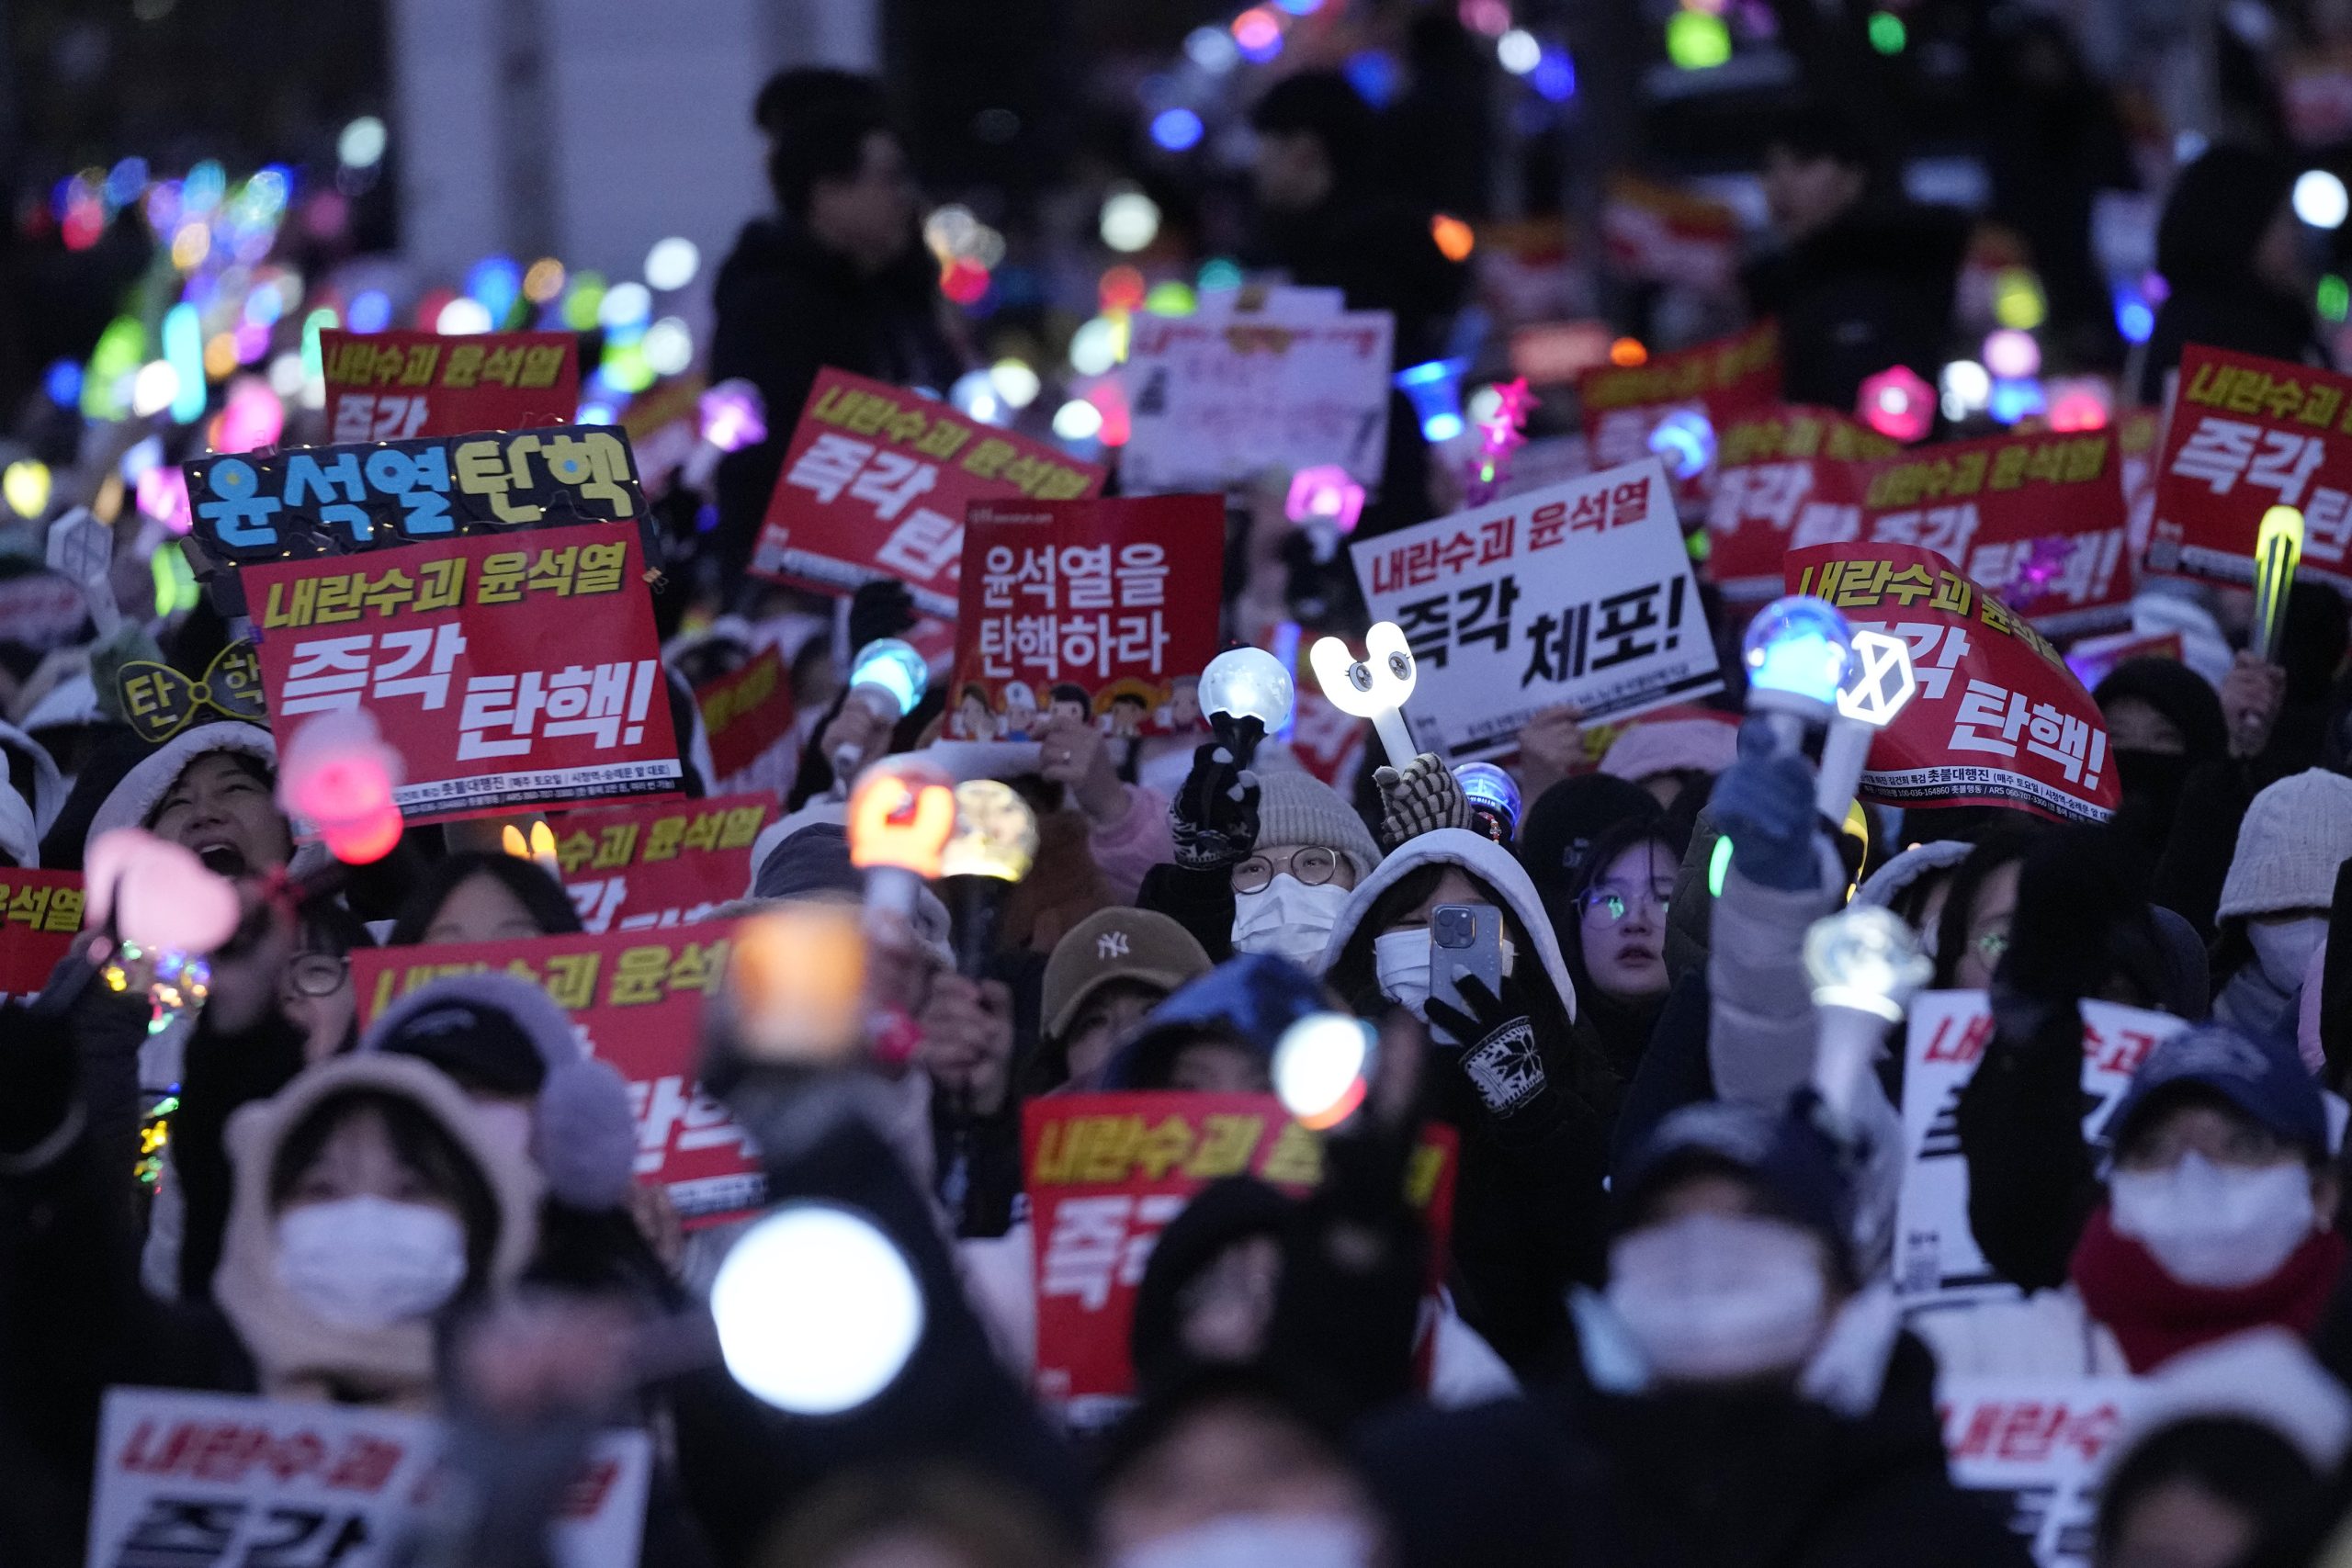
[1375,687]
[1500,434]
[1325,492]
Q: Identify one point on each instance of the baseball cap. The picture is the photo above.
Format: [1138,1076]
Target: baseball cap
[1782,1154]
[2265,1080]
[1118,943]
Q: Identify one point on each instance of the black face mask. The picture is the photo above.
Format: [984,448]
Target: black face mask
[2152,782]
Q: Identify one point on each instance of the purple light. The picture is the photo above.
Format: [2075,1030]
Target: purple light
[1176,129]
[733,416]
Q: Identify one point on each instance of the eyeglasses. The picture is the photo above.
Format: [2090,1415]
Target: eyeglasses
[1609,906]
[1313,866]
[315,974]
[1992,945]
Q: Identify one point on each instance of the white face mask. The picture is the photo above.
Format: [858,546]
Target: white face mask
[2214,1224]
[1287,919]
[369,1262]
[1720,1297]
[1260,1540]
[2285,947]
[1400,960]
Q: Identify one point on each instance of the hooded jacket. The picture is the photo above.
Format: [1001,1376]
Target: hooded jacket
[135,798]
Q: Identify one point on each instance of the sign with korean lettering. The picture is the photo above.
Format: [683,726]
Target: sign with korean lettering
[2249,434]
[1723,379]
[230,1481]
[641,867]
[1092,608]
[1106,1172]
[1937,1260]
[2035,1450]
[1579,592]
[636,999]
[508,671]
[40,912]
[339,500]
[1997,719]
[1772,468]
[400,385]
[1217,398]
[2037,520]
[875,484]
[746,710]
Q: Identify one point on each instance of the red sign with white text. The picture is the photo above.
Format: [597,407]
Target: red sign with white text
[1997,718]
[637,999]
[875,484]
[1722,378]
[1080,605]
[2036,520]
[746,710]
[507,669]
[639,867]
[1766,473]
[41,913]
[1106,1172]
[398,386]
[2249,434]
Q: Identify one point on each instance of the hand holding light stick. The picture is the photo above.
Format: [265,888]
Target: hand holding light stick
[993,846]
[1243,685]
[152,900]
[2277,551]
[1375,687]
[888,680]
[1865,965]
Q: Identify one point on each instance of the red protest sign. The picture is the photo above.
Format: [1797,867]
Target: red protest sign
[876,483]
[397,385]
[40,911]
[1997,719]
[746,710]
[1106,1172]
[1721,378]
[637,868]
[2249,434]
[507,669]
[1769,471]
[2038,521]
[1073,605]
[637,999]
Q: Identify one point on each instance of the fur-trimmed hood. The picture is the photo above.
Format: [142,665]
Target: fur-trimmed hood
[1482,858]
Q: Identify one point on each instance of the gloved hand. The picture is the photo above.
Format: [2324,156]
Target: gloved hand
[1505,1059]
[879,609]
[1422,796]
[1213,817]
[1764,800]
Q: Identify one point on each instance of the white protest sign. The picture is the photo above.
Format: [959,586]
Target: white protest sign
[2036,1450]
[1577,592]
[1215,400]
[226,1480]
[1937,1260]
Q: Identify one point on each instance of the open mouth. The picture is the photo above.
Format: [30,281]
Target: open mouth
[226,860]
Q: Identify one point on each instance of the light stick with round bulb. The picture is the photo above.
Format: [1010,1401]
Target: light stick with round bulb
[888,680]
[1865,965]
[1247,696]
[993,846]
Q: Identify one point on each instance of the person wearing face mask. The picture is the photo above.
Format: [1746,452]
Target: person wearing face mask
[513,1053]
[2274,906]
[1735,1394]
[2164,722]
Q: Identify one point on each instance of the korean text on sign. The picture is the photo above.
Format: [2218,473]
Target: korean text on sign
[1937,1261]
[1085,607]
[876,482]
[2246,434]
[2036,1449]
[1217,397]
[1997,719]
[187,1480]
[1774,471]
[1106,1173]
[2037,520]
[514,670]
[646,867]
[1721,380]
[40,911]
[397,385]
[637,997]
[746,710]
[1579,592]
[346,499]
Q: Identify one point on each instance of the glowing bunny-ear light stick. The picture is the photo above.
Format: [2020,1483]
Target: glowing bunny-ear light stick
[1375,687]
[338,775]
[537,846]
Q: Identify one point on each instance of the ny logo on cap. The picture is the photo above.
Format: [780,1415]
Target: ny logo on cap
[1111,945]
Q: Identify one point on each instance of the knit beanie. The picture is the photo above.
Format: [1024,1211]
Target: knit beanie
[1296,808]
[2178,692]
[1672,745]
[1568,817]
[2294,836]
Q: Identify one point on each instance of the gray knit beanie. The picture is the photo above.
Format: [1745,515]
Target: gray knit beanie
[1296,808]
[2294,836]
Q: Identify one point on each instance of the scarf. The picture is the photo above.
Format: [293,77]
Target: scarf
[2154,1318]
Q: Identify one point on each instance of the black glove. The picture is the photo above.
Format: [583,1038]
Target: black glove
[879,609]
[1214,818]
[1506,1062]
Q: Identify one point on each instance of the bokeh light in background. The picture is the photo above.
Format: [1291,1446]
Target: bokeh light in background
[2320,199]
[1177,130]
[672,263]
[362,143]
